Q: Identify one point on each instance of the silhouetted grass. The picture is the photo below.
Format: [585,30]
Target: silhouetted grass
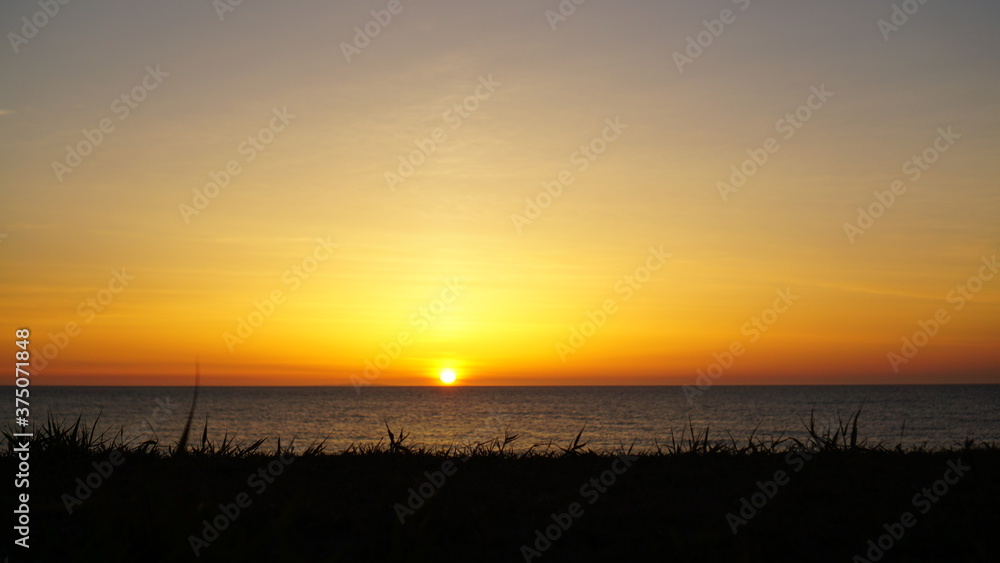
[339,505]
[65,438]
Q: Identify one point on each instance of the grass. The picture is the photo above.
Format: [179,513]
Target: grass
[67,438]
[339,505]
[63,439]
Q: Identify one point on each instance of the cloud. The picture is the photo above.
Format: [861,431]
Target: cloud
[6,111]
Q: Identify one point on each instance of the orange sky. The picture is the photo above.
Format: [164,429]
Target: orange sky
[475,190]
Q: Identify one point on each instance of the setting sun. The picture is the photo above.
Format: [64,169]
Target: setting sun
[448,376]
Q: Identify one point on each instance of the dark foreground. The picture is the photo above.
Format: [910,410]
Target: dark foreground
[812,501]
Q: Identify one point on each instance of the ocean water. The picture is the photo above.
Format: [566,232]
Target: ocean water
[933,415]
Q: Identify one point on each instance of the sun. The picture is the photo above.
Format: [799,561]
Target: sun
[448,376]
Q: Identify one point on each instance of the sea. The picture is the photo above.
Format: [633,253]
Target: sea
[609,418]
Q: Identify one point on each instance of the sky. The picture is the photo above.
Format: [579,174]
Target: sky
[524,192]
